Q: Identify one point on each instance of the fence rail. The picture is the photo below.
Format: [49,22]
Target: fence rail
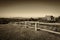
[52,27]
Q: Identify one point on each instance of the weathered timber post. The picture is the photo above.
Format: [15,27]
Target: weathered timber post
[35,26]
[25,24]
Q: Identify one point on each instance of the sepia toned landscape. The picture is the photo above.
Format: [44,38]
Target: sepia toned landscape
[30,28]
[30,20]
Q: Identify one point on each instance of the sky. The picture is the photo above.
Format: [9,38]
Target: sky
[29,8]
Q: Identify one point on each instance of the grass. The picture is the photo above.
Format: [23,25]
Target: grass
[11,32]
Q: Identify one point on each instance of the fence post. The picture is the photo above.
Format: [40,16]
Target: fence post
[25,24]
[35,26]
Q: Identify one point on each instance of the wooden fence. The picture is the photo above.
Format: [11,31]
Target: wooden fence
[49,27]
